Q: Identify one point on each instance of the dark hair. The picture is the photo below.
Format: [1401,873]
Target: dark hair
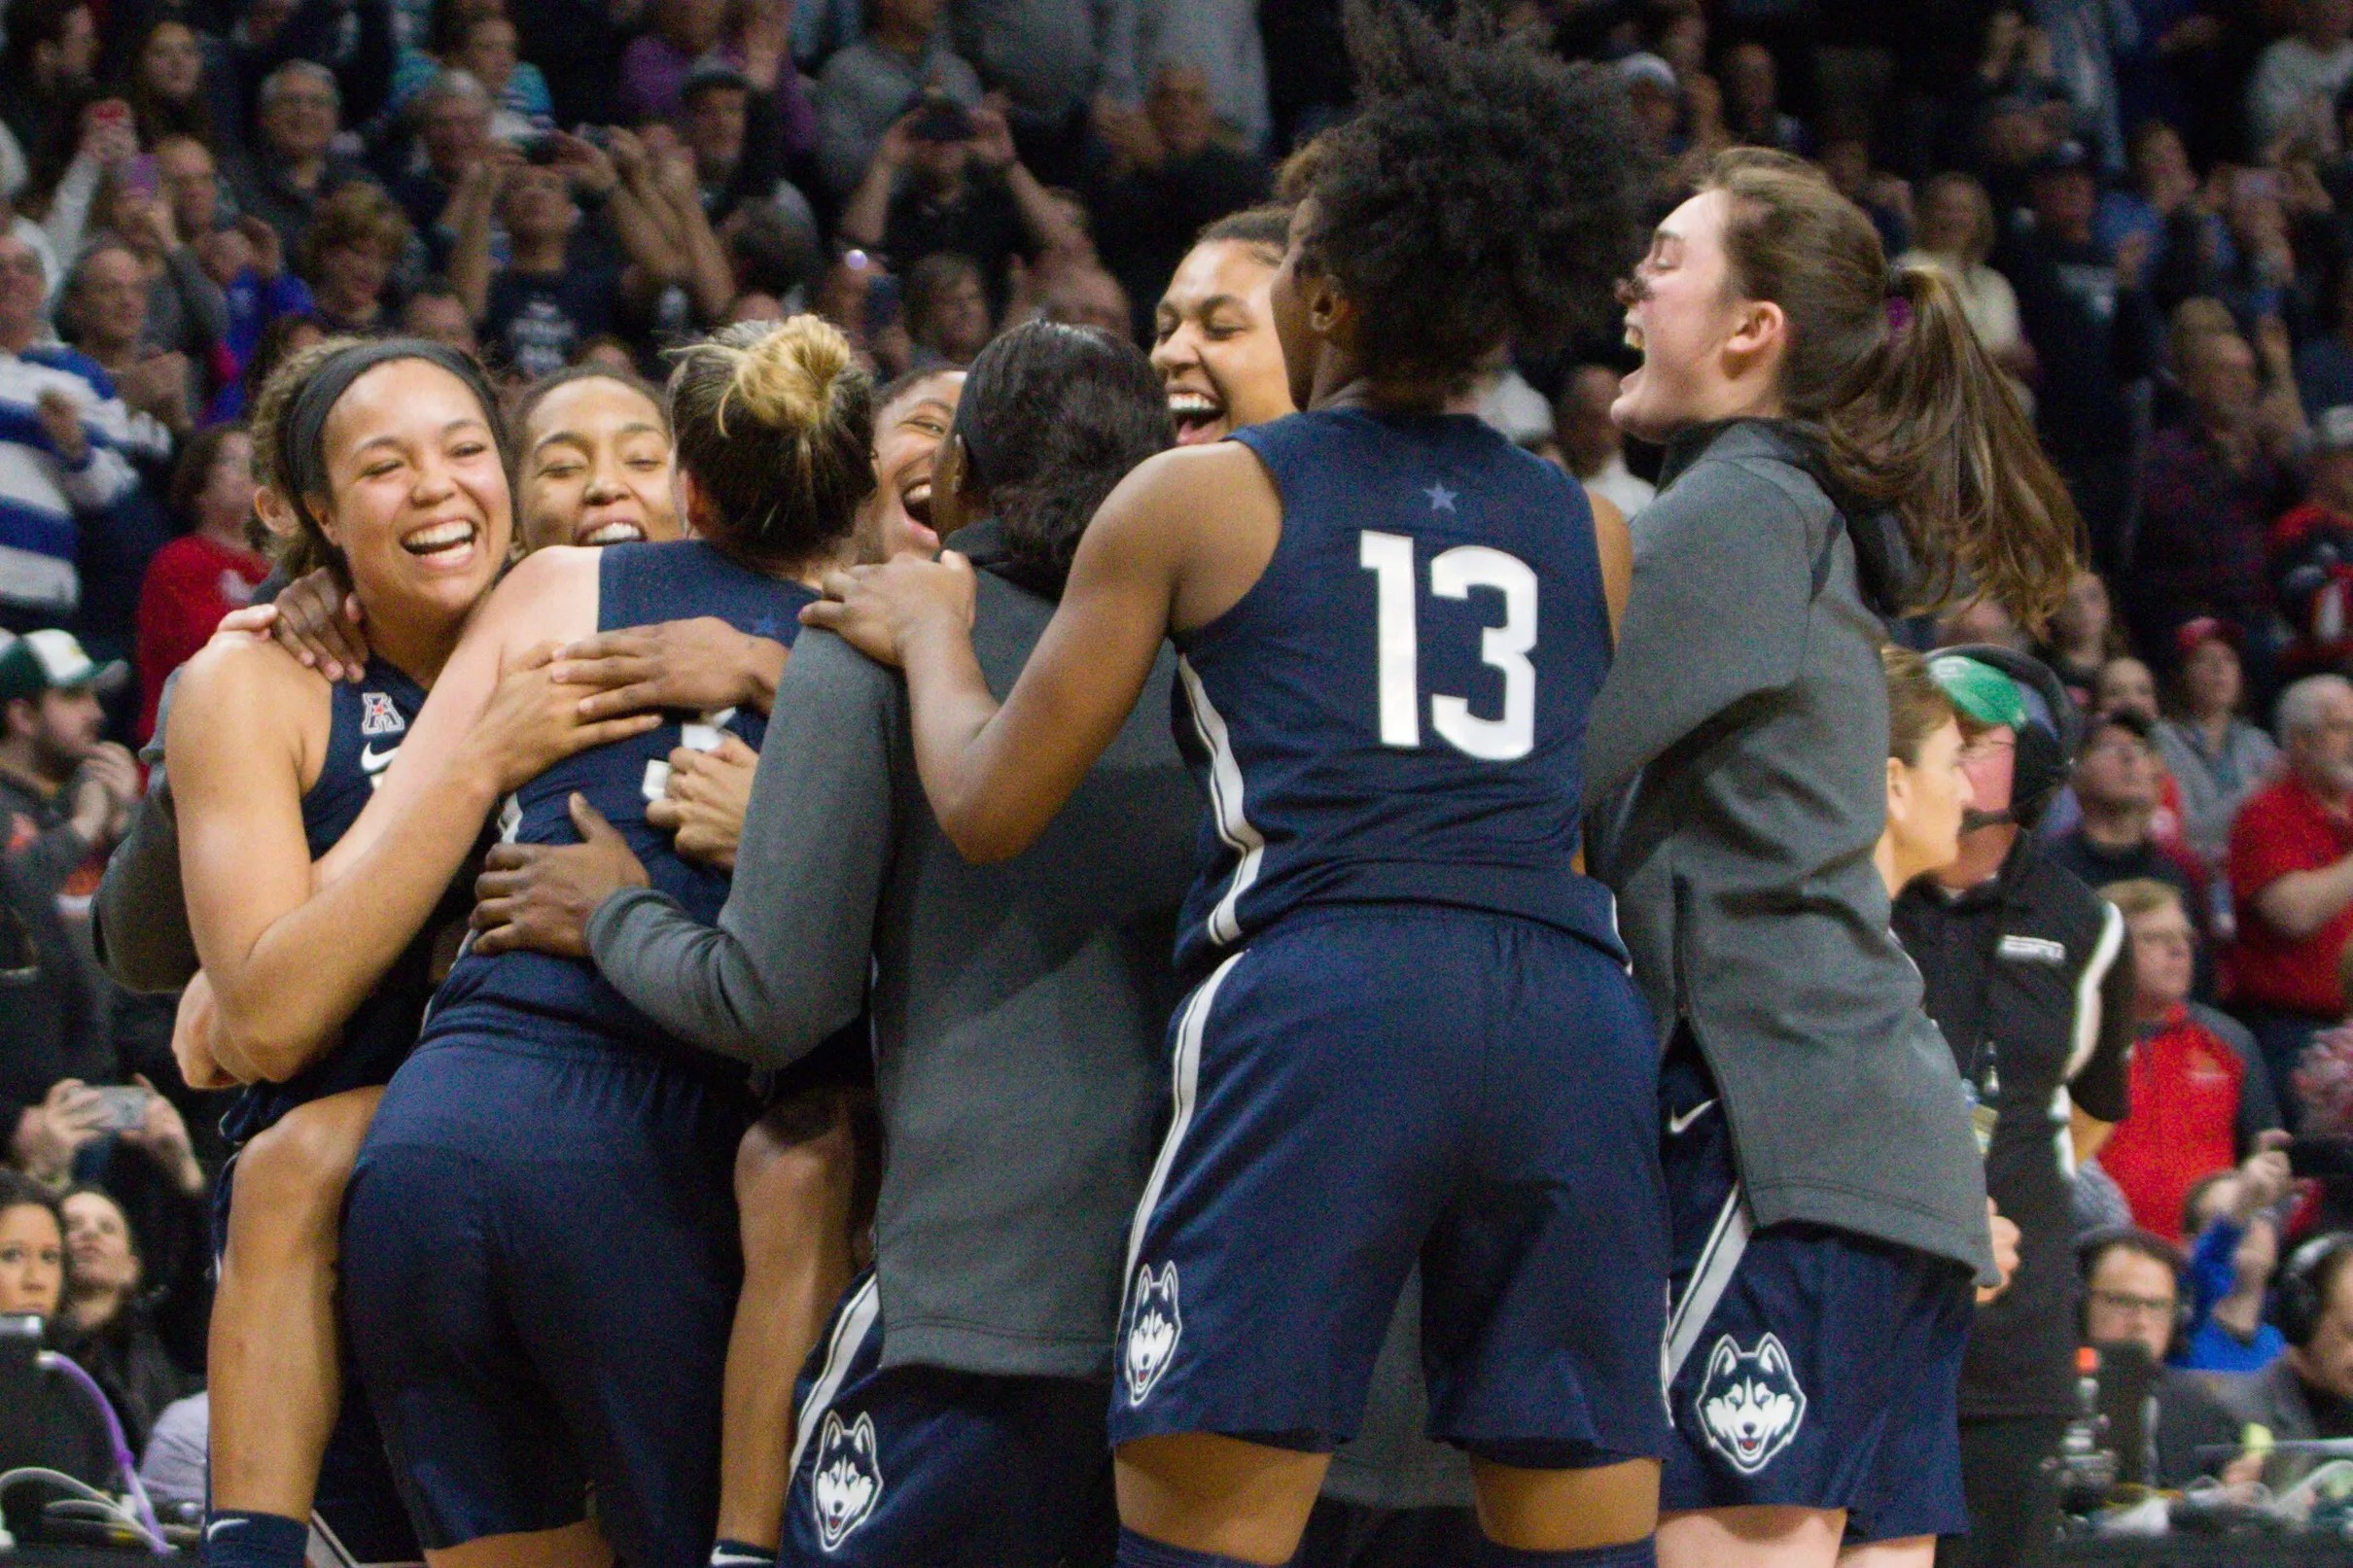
[2095,1247]
[897,387]
[156,116]
[449,21]
[298,436]
[30,25]
[1884,375]
[775,422]
[359,215]
[190,474]
[537,392]
[1265,229]
[928,279]
[19,1191]
[1485,194]
[269,349]
[1052,417]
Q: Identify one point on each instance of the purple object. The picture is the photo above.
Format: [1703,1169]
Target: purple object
[52,1361]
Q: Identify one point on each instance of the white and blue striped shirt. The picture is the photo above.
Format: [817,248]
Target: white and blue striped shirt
[41,497]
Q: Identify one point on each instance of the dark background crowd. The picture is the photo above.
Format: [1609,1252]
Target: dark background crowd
[2146,206]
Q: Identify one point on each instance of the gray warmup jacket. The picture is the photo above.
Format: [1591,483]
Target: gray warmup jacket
[1019,1009]
[1747,709]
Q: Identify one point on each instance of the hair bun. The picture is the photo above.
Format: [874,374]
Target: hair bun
[785,375]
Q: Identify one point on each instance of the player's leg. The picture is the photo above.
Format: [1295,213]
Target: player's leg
[1217,1495]
[794,1174]
[573,1546]
[1754,1537]
[1918,1551]
[274,1357]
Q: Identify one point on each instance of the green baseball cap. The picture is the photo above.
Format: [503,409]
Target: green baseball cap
[1977,689]
[52,660]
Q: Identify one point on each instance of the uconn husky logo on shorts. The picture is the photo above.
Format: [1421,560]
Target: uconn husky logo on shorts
[1750,1404]
[1154,1326]
[848,1481]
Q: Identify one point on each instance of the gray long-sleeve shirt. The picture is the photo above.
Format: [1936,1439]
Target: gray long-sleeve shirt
[1051,55]
[1019,1009]
[1747,708]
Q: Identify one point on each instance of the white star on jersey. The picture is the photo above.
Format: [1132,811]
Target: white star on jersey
[1441,498]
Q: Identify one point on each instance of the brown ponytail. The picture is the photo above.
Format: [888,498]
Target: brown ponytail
[1906,405]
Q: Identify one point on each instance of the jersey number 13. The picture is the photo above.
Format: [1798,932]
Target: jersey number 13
[1452,575]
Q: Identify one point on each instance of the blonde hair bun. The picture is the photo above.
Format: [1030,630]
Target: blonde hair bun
[785,372]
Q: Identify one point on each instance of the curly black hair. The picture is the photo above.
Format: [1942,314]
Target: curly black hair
[1487,194]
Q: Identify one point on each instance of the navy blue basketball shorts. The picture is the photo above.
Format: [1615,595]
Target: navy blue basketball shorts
[1805,1367]
[1368,1085]
[922,1467]
[356,1512]
[540,1272]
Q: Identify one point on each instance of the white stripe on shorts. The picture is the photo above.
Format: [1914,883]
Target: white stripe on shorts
[1727,1243]
[326,1550]
[849,1337]
[1186,1074]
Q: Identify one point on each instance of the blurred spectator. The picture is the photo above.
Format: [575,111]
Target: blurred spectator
[248,262]
[2132,1288]
[435,311]
[293,166]
[2087,39]
[1219,38]
[1658,102]
[55,1428]
[2233,1216]
[451,115]
[184,312]
[1752,101]
[945,180]
[106,303]
[2212,486]
[730,129]
[2084,637]
[2299,76]
[2311,555]
[174,1467]
[2217,759]
[2162,187]
[1165,178]
[2200,1096]
[475,38]
[355,240]
[1591,447]
[1956,234]
[106,1322]
[947,312]
[68,453]
[166,89]
[688,33]
[2084,312]
[65,796]
[1055,59]
[2124,683]
[209,571]
[2116,786]
[51,48]
[2292,880]
[1088,296]
[866,87]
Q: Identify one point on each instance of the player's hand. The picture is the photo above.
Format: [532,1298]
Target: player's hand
[699,664]
[881,609]
[320,624]
[541,897]
[533,721]
[192,1038]
[2005,1251]
[706,800]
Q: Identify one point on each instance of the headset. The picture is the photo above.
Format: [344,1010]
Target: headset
[2300,1295]
[2047,744]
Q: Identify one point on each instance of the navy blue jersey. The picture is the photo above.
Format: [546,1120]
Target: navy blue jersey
[364,726]
[533,995]
[1395,712]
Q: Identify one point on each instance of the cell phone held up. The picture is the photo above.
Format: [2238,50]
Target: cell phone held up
[126,1107]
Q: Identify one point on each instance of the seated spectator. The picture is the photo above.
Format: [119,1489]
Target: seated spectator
[866,87]
[52,51]
[69,448]
[174,1468]
[106,306]
[249,263]
[435,312]
[106,1323]
[2234,1217]
[209,571]
[1752,101]
[739,161]
[51,1423]
[2310,550]
[2117,789]
[2084,637]
[2299,76]
[2292,880]
[451,117]
[2200,1095]
[689,33]
[1220,39]
[168,91]
[293,165]
[1957,231]
[2212,485]
[1167,178]
[2132,1286]
[475,38]
[356,238]
[65,796]
[945,180]
[2215,758]
[947,312]
[1591,447]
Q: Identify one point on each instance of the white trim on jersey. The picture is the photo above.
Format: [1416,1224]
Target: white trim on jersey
[849,1337]
[1186,1074]
[2088,989]
[1710,1277]
[1225,805]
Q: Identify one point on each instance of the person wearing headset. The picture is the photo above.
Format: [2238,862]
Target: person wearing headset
[2025,976]
[2307,1393]
[2133,1296]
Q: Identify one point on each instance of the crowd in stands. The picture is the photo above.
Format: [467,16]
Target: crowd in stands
[2146,204]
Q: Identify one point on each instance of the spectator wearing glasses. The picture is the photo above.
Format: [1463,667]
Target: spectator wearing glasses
[2132,1296]
[293,166]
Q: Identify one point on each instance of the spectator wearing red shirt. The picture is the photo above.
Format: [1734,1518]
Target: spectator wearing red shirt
[2198,1093]
[2292,880]
[196,580]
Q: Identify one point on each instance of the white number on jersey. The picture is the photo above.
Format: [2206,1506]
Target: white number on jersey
[1452,575]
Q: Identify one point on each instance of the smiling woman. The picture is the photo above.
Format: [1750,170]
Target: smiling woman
[1213,339]
[594,461]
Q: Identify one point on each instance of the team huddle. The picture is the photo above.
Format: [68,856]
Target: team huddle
[1248,879]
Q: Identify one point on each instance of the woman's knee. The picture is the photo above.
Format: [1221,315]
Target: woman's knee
[290,1179]
[1567,1510]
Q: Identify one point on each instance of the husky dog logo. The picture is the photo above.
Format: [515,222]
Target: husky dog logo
[1750,1403]
[377,716]
[848,1481]
[1154,1325]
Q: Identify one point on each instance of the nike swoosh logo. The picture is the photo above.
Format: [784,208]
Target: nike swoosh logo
[1676,1125]
[373,760]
